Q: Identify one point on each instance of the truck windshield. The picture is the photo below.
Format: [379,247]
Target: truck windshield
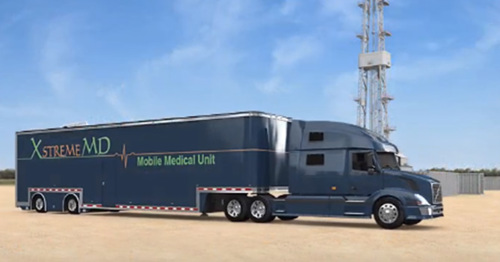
[387,160]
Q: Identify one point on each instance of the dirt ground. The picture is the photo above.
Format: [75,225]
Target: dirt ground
[470,231]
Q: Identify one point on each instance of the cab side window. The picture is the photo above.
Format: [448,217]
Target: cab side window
[315,159]
[362,161]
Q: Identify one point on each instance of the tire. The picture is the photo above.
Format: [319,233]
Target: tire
[411,222]
[287,218]
[72,205]
[236,208]
[388,213]
[39,204]
[261,209]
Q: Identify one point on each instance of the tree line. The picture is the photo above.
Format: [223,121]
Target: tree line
[7,174]
[486,172]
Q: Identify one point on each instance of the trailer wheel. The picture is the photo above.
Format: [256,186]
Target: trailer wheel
[287,218]
[389,213]
[39,204]
[411,222]
[261,209]
[236,208]
[72,205]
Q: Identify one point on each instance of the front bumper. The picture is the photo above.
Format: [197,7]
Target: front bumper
[424,212]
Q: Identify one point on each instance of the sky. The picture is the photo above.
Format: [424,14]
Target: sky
[63,62]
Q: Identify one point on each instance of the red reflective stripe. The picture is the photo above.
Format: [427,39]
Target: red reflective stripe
[55,189]
[155,208]
[224,189]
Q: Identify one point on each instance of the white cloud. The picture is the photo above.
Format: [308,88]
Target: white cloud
[473,56]
[291,51]
[17,111]
[490,38]
[217,20]
[432,46]
[56,64]
[188,54]
[487,17]
[442,64]
[289,7]
[14,19]
[272,86]
[208,56]
[340,93]
[113,97]
[433,66]
[287,54]
[437,45]
[347,12]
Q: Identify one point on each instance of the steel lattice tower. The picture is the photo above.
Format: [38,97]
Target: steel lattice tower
[373,63]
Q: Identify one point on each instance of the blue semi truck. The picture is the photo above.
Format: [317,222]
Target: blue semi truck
[249,165]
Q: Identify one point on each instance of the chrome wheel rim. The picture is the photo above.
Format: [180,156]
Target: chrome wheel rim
[39,203]
[258,209]
[234,208]
[388,213]
[72,205]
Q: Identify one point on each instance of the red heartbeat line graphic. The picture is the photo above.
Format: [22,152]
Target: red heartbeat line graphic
[124,156]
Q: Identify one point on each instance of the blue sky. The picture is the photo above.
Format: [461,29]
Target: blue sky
[100,61]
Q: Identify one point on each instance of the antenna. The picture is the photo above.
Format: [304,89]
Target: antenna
[373,61]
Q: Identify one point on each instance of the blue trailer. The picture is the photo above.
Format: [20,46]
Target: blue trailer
[249,165]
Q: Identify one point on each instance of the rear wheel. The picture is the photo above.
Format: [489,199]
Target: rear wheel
[411,222]
[72,205]
[39,204]
[261,209]
[236,208]
[389,213]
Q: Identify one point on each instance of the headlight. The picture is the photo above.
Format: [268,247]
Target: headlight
[421,201]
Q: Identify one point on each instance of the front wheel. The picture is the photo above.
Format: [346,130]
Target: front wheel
[411,222]
[389,213]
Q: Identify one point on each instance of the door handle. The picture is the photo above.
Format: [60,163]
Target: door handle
[354,188]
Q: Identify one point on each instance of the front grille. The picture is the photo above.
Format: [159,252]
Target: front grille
[437,194]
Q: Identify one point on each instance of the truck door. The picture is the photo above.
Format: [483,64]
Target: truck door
[318,183]
[363,179]
[108,186]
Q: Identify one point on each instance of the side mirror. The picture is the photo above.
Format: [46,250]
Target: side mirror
[372,170]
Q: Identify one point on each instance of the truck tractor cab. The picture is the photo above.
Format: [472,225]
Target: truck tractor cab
[351,171]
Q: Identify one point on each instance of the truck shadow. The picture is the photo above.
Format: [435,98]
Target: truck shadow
[277,222]
[160,216]
[348,224]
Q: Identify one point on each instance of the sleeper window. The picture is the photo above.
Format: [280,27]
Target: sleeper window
[315,136]
[315,160]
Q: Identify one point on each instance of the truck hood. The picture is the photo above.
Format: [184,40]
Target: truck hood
[411,175]
[404,179]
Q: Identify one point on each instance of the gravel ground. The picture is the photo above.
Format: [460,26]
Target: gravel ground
[469,231]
